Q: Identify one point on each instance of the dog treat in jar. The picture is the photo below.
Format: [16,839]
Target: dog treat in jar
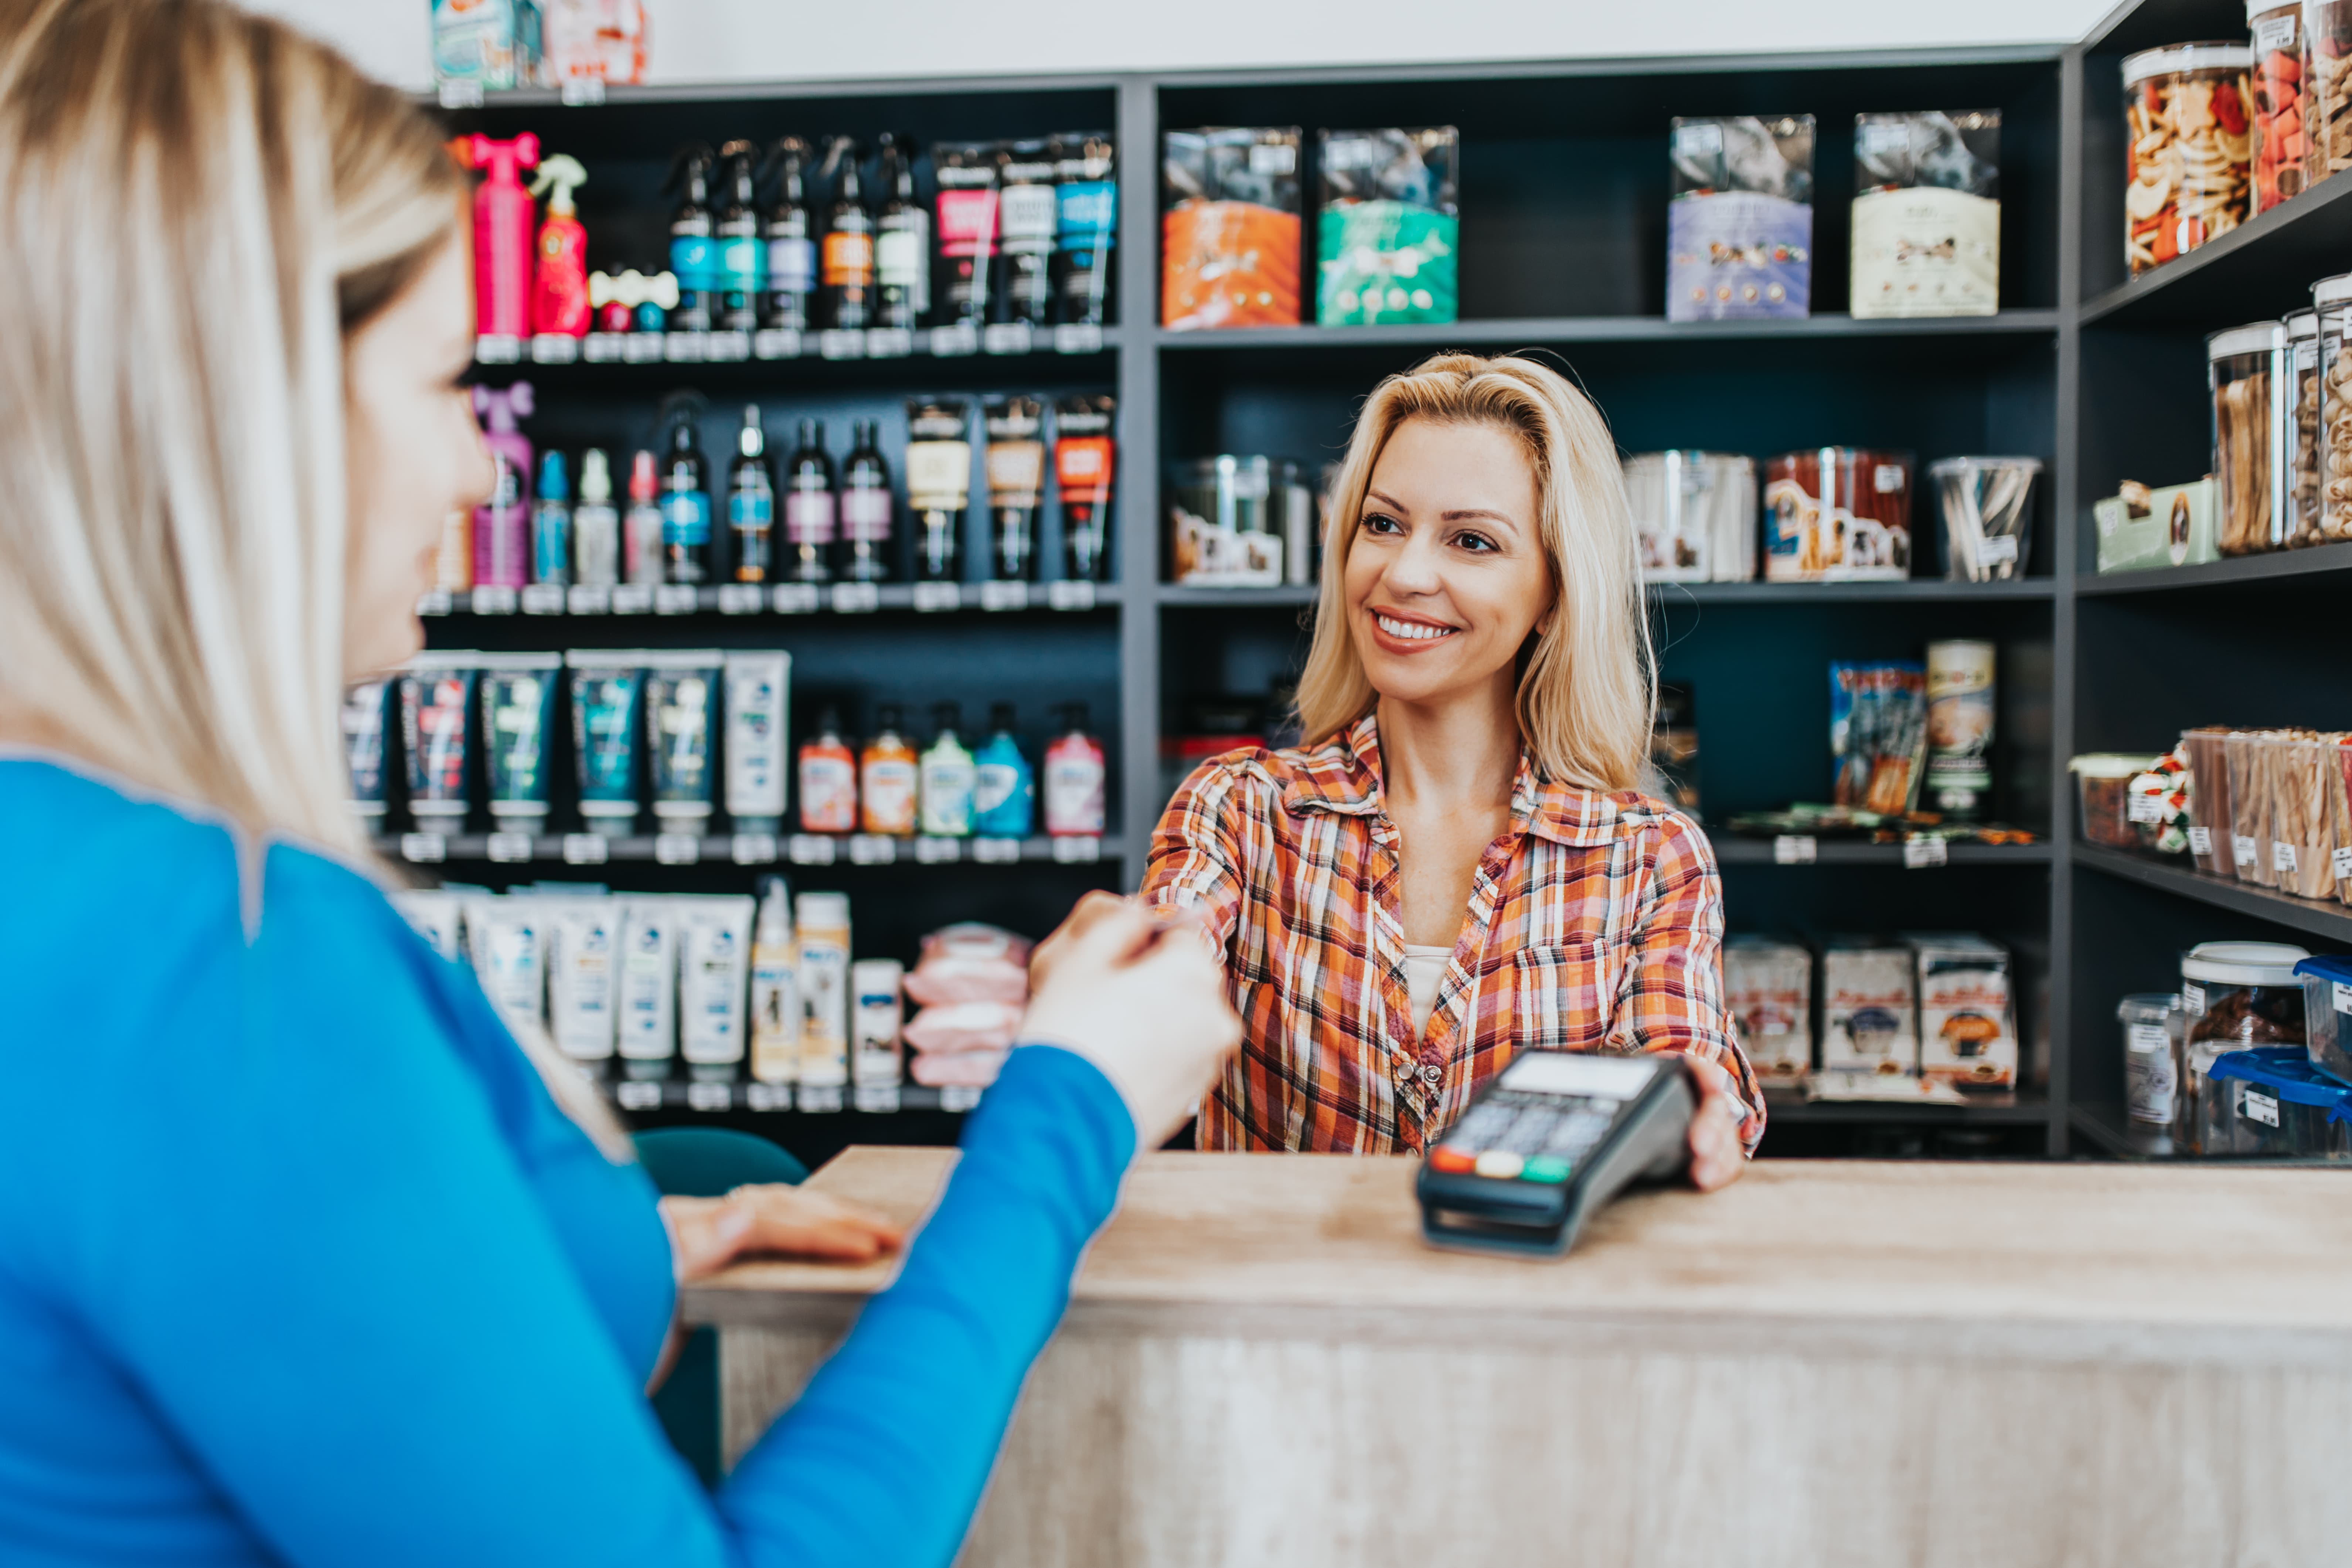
[2191,135]
[2307,795]
[1837,512]
[2210,826]
[2327,88]
[2243,371]
[2332,298]
[2279,78]
[2247,751]
[2300,366]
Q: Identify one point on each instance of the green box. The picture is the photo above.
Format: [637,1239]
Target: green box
[2176,528]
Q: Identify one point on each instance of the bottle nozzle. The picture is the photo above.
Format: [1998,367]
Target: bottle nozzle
[644,484]
[563,173]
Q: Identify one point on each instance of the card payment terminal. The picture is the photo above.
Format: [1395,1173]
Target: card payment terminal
[1556,1136]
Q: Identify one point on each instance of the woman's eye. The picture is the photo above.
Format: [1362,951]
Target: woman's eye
[1476,543]
[1379,523]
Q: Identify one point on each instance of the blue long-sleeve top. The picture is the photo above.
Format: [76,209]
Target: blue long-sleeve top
[301,1263]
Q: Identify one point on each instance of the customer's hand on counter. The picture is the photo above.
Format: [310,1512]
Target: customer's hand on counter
[1717,1155]
[1134,992]
[706,1234]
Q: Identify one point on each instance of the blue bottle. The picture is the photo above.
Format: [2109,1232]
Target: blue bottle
[551,523]
[1004,790]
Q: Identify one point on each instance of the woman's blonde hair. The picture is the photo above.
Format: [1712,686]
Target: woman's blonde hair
[201,204]
[1587,688]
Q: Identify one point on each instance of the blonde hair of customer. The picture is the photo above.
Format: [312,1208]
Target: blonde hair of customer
[1587,689]
[201,206]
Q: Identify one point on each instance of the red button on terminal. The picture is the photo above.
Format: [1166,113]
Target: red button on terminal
[1450,1160]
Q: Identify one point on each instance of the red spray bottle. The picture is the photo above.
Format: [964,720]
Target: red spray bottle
[559,301]
[502,215]
[502,529]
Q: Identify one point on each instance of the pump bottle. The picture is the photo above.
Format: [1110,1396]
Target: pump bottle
[551,524]
[595,526]
[643,526]
[751,502]
[502,238]
[742,258]
[792,248]
[558,306]
[693,258]
[848,269]
[502,527]
[685,505]
[902,242]
[808,508]
[866,507]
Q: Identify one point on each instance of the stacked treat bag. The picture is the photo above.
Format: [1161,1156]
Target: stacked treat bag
[972,983]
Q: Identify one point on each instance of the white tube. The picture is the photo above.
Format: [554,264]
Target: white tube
[505,937]
[582,977]
[758,720]
[434,915]
[714,947]
[822,936]
[647,987]
[875,1016]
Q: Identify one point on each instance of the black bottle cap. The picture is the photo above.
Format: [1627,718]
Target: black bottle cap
[947,716]
[999,716]
[828,720]
[812,432]
[889,716]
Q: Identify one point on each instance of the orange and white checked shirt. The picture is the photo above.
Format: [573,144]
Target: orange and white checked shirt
[1595,924]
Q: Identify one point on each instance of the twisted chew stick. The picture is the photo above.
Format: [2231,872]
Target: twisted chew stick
[2301,817]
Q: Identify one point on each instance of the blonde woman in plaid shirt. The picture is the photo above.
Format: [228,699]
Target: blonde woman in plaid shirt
[1457,865]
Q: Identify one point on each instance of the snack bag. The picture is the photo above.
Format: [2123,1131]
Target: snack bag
[1389,231]
[1739,227]
[1229,228]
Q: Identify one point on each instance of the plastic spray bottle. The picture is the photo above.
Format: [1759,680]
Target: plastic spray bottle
[743,253]
[946,778]
[1074,779]
[558,302]
[775,994]
[502,213]
[792,243]
[751,502]
[502,527]
[693,256]
[642,529]
[1004,792]
[595,526]
[551,523]
[686,504]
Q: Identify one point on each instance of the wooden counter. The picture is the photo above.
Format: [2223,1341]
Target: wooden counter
[1828,1365]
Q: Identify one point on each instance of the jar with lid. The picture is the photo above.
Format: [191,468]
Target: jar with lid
[2210,826]
[2331,299]
[2233,995]
[1225,523]
[2190,135]
[2151,1089]
[2328,1014]
[2102,781]
[2271,1103]
[2247,754]
[2245,368]
[2327,88]
[1832,513]
[1694,515]
[2280,75]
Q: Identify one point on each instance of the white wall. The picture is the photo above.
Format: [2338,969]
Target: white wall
[718,40]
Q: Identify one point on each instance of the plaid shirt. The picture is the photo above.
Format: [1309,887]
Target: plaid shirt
[1595,924]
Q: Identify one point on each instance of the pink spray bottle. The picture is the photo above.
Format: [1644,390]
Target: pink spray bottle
[502,236]
[502,529]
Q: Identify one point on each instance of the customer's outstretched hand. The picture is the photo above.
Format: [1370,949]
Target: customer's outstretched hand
[1137,994]
[706,1234]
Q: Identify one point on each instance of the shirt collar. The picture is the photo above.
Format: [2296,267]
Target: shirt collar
[1343,775]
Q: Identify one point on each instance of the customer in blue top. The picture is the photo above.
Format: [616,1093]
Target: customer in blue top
[301,1259]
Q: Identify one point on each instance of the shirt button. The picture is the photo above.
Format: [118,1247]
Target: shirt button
[1431,1073]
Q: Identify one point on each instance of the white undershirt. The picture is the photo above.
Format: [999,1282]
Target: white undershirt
[1424,971]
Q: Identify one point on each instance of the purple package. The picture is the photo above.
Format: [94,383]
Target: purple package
[1739,229]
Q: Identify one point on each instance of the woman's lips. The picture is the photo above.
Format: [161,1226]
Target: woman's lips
[1402,634]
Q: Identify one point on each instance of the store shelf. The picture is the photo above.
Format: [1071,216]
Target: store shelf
[2327,562]
[830,600]
[1915,590]
[2022,1112]
[2263,268]
[1571,330]
[688,355]
[1737,850]
[583,850]
[2102,1123]
[1288,596]
[737,1096]
[2330,922]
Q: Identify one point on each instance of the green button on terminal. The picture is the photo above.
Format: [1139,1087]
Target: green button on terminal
[1549,1169]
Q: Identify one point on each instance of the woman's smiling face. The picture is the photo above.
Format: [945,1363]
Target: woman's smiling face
[1448,574]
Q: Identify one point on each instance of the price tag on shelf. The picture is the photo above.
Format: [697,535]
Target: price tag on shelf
[674,599]
[841,344]
[765,1097]
[2242,847]
[462,92]
[423,849]
[686,348]
[1920,852]
[776,343]
[811,850]
[543,599]
[954,343]
[1795,849]
[1998,551]
[958,1097]
[634,1096]
[753,848]
[582,600]
[633,599]
[586,849]
[498,348]
[710,1097]
[798,599]
[2283,857]
[888,342]
[1078,337]
[996,851]
[855,598]
[937,851]
[641,348]
[581,91]
[931,597]
[554,348]
[2201,841]
[495,600]
[2342,860]
[1008,337]
[742,599]
[876,1098]
[678,848]
[2193,999]
[435,603]
[1004,595]
[728,347]
[509,849]
[1070,595]
[2144,807]
[873,849]
[1077,849]
[821,1097]
[602,348]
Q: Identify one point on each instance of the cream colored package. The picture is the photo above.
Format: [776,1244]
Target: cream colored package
[506,938]
[820,936]
[714,960]
[583,935]
[1967,1017]
[1768,987]
[1926,252]
[647,988]
[1869,1016]
[776,990]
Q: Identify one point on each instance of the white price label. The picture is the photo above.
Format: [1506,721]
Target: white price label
[878,1098]
[2201,841]
[2342,861]
[1795,849]
[638,1096]
[798,599]
[686,348]
[554,348]
[2192,1000]
[2275,34]
[841,344]
[766,1097]
[641,348]
[1921,852]
[602,348]
[873,849]
[581,91]
[811,850]
[1004,595]
[753,848]
[423,849]
[1008,337]
[2342,996]
[2142,806]
[2259,1107]
[582,600]
[1999,550]
[958,1097]
[855,598]
[2283,857]
[1070,595]
[1077,849]
[888,342]
[2242,847]
[677,848]
[1888,479]
[507,848]
[822,1097]
[931,597]
[461,92]
[954,343]
[435,603]
[996,851]
[710,1097]
[586,848]
[728,347]
[498,348]
[937,851]
[1078,337]
[633,599]
[495,600]
[742,599]
[543,599]
[776,343]
[674,599]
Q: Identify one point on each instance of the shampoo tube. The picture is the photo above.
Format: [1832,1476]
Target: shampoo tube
[714,946]
[362,722]
[437,702]
[821,937]
[582,978]
[505,939]
[517,693]
[758,720]
[681,711]
[647,987]
[607,688]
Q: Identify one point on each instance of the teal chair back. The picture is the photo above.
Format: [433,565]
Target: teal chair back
[704,1163]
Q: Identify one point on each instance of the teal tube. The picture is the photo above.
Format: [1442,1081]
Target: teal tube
[606,692]
[517,693]
[681,717]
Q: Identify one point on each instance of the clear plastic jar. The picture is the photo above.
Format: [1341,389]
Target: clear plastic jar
[2151,1088]
[2190,137]
[2241,993]
[1837,512]
[2327,95]
[2327,1014]
[2306,812]
[2247,752]
[2331,300]
[2280,73]
[2245,369]
[2211,826]
[2102,781]
[2299,427]
[1694,515]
